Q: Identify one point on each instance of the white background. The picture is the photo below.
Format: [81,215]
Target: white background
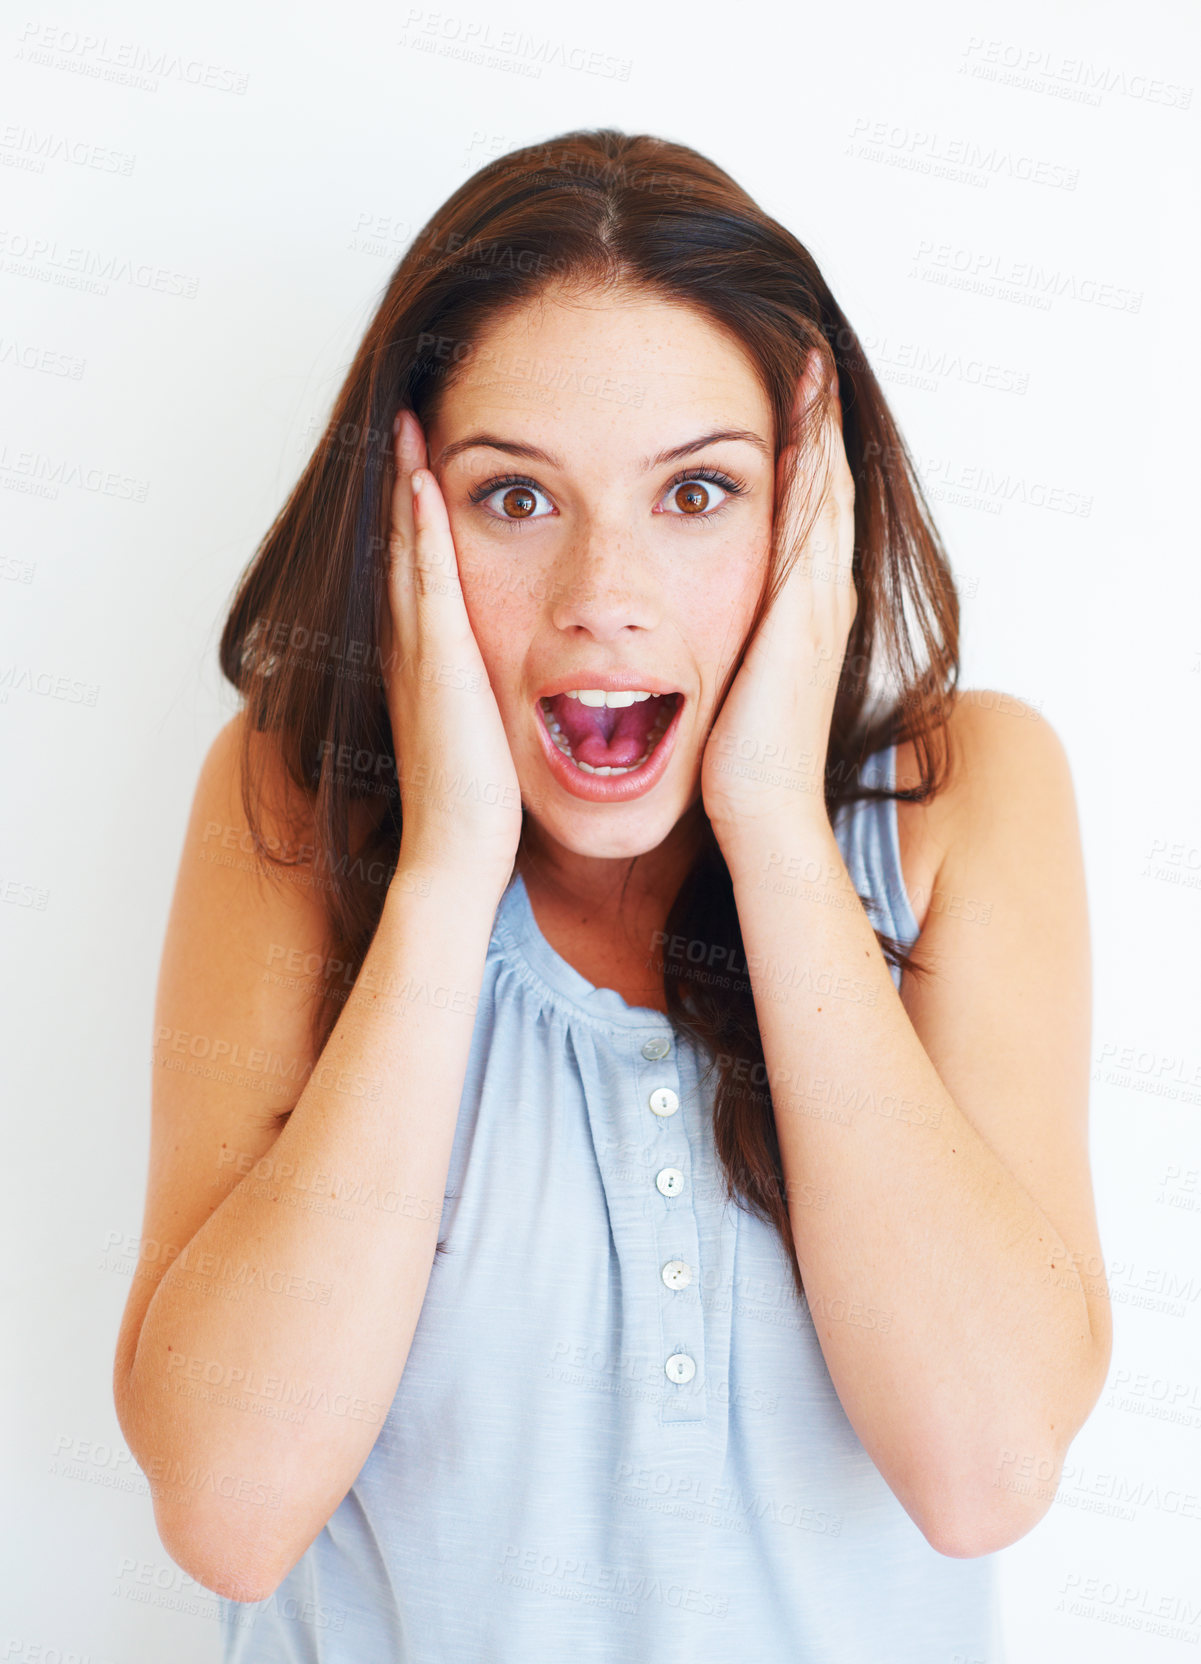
[287,204]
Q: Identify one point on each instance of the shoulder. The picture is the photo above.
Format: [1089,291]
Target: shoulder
[241,757]
[243,762]
[229,900]
[1005,766]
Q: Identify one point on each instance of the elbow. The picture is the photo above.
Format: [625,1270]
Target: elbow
[232,1576]
[996,1507]
[213,1548]
[219,1559]
[968,1533]
[966,1522]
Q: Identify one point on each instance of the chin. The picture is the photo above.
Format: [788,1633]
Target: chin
[604,832]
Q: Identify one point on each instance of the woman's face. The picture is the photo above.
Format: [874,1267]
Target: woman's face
[609,540]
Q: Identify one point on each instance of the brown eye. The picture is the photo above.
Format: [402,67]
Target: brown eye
[509,502]
[692,497]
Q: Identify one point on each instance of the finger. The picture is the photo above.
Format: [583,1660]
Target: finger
[808,387]
[811,502]
[435,564]
[815,423]
[396,623]
[817,376]
[409,585]
[802,476]
[410,452]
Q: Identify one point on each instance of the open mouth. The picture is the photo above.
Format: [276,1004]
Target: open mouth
[609,738]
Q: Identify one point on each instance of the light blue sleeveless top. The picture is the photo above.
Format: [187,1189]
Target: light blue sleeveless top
[616,1440]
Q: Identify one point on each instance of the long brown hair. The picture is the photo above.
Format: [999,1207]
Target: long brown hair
[302,639]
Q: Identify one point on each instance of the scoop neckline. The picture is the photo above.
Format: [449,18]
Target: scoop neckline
[522,934]
[517,923]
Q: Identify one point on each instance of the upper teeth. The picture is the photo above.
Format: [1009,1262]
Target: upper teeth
[615,701]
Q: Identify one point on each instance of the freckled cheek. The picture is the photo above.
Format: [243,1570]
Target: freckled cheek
[716,619]
[502,610]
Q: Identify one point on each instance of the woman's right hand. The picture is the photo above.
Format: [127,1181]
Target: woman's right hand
[460,797]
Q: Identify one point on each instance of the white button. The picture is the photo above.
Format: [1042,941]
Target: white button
[680,1368]
[677,1274]
[664,1101]
[653,1050]
[670,1181]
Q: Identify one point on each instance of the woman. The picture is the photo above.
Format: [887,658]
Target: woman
[623,1247]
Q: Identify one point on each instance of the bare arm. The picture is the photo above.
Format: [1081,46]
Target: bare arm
[279,1321]
[254,1371]
[955,1280]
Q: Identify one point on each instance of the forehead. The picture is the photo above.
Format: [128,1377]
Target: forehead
[617,362]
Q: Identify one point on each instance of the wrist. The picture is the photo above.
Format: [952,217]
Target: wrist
[753,847]
[468,881]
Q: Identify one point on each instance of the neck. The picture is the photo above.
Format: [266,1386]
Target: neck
[597,884]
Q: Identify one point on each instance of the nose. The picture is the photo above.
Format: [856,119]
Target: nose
[603,585]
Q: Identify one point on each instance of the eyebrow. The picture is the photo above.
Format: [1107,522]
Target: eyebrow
[489,441]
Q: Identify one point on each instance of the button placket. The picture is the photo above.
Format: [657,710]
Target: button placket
[678,1237]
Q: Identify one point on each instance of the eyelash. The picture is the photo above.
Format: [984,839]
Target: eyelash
[734,488]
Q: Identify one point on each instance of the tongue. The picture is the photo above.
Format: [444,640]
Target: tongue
[605,738]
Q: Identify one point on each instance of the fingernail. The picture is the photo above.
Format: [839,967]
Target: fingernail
[417,478]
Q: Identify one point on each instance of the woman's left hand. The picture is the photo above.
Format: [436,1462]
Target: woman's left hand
[765,758]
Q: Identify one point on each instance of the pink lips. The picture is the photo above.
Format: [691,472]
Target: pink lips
[616,681]
[616,788]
